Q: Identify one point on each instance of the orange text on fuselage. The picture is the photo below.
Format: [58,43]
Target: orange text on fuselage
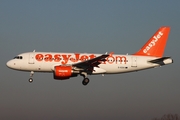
[77,57]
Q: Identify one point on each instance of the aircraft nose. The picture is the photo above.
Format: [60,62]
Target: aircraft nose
[9,64]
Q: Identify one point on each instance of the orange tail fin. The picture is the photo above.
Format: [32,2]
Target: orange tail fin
[156,44]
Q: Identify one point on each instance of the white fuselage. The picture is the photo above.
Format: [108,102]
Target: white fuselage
[45,62]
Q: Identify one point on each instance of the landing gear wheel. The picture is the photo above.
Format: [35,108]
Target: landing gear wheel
[85,81]
[30,80]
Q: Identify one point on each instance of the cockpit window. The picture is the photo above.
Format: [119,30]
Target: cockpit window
[18,57]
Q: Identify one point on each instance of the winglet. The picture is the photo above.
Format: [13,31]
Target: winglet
[156,44]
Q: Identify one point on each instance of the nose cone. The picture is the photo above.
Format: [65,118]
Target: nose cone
[9,64]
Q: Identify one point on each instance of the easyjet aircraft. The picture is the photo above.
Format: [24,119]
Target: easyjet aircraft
[66,65]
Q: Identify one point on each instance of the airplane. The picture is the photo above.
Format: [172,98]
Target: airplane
[67,65]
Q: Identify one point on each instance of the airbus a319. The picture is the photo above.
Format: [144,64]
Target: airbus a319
[67,65]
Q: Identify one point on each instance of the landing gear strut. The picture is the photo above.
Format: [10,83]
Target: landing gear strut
[31,74]
[85,80]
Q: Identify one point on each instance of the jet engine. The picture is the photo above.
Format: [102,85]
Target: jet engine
[63,72]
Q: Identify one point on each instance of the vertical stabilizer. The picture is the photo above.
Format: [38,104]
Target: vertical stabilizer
[156,44]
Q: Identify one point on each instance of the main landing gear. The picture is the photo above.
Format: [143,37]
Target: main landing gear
[85,80]
[31,79]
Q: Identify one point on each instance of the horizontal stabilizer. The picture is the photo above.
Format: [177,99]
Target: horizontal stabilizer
[159,60]
[162,61]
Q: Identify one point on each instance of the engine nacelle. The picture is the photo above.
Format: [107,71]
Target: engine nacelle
[63,72]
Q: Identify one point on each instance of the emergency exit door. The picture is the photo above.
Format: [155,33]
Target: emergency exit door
[134,62]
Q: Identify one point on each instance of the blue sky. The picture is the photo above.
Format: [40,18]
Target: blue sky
[88,26]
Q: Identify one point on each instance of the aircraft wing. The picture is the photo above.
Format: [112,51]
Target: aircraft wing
[88,65]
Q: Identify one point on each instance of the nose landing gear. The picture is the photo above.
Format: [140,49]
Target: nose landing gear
[30,80]
[31,75]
